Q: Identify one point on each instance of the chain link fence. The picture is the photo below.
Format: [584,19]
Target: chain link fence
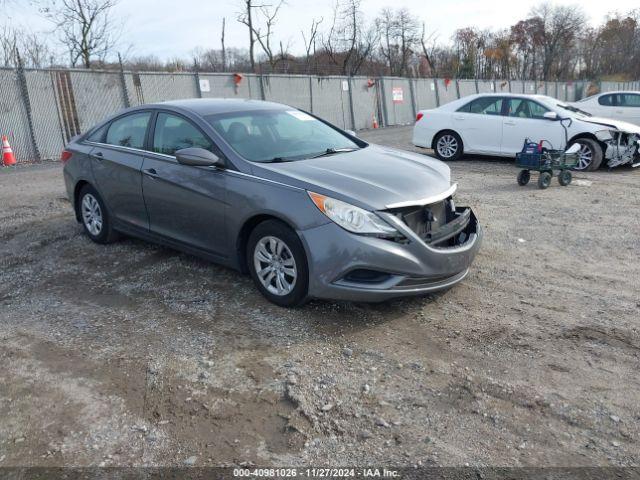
[41,110]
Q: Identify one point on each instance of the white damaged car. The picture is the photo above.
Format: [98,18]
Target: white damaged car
[498,124]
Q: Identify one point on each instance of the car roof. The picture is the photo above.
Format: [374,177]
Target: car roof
[637,92]
[505,94]
[210,106]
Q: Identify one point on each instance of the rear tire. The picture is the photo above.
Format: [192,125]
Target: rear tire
[94,216]
[590,155]
[278,264]
[564,178]
[448,146]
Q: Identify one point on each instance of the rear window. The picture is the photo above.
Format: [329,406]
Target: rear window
[607,100]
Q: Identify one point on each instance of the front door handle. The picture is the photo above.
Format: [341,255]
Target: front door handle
[151,172]
[458,118]
[511,124]
[97,156]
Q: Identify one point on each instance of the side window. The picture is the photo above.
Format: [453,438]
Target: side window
[484,106]
[174,133]
[129,131]
[606,100]
[523,108]
[630,100]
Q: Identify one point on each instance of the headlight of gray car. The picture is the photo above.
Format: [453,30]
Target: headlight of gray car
[352,218]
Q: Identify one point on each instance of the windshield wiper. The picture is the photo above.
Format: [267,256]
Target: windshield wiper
[333,151]
[277,160]
[574,109]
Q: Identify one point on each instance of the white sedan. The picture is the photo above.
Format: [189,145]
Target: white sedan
[499,124]
[623,106]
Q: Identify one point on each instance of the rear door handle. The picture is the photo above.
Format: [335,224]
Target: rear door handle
[151,172]
[458,118]
[97,156]
[511,124]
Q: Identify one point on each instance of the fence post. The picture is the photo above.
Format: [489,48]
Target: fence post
[196,76]
[457,89]
[414,100]
[310,93]
[383,98]
[262,95]
[351,109]
[435,86]
[22,80]
[123,79]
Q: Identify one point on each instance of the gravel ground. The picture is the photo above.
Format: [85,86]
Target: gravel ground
[134,354]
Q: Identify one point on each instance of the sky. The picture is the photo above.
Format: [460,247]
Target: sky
[168,29]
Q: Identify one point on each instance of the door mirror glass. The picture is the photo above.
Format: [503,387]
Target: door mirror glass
[198,157]
[551,115]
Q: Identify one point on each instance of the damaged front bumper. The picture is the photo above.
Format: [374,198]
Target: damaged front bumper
[621,148]
[437,246]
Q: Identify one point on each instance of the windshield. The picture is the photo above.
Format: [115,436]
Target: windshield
[279,135]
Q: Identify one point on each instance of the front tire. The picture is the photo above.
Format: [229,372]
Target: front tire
[448,146]
[590,155]
[94,216]
[523,177]
[278,263]
[544,180]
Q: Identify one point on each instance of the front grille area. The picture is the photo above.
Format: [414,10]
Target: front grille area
[439,224]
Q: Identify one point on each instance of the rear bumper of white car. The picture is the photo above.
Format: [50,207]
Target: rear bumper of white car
[423,135]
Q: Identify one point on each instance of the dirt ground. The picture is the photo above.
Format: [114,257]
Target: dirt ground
[134,354]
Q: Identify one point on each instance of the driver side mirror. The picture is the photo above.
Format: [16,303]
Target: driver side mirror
[550,115]
[198,157]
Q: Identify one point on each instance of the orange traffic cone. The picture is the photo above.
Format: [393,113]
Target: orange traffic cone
[375,122]
[8,159]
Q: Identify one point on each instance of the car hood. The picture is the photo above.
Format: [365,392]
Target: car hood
[372,177]
[622,126]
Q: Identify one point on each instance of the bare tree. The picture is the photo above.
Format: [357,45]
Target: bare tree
[86,28]
[561,26]
[428,50]
[310,43]
[246,18]
[32,48]
[349,42]
[262,27]
[8,47]
[399,31]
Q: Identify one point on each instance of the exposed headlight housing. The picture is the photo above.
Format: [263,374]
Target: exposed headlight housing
[351,218]
[605,135]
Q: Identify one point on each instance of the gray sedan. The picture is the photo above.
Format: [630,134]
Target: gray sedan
[309,210]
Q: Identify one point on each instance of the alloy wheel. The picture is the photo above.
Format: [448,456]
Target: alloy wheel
[585,157]
[447,146]
[92,214]
[275,266]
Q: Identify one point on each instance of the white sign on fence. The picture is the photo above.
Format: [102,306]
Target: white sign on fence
[204,85]
[397,95]
[345,85]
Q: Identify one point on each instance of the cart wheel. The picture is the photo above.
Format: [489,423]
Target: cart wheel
[544,180]
[523,177]
[564,178]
